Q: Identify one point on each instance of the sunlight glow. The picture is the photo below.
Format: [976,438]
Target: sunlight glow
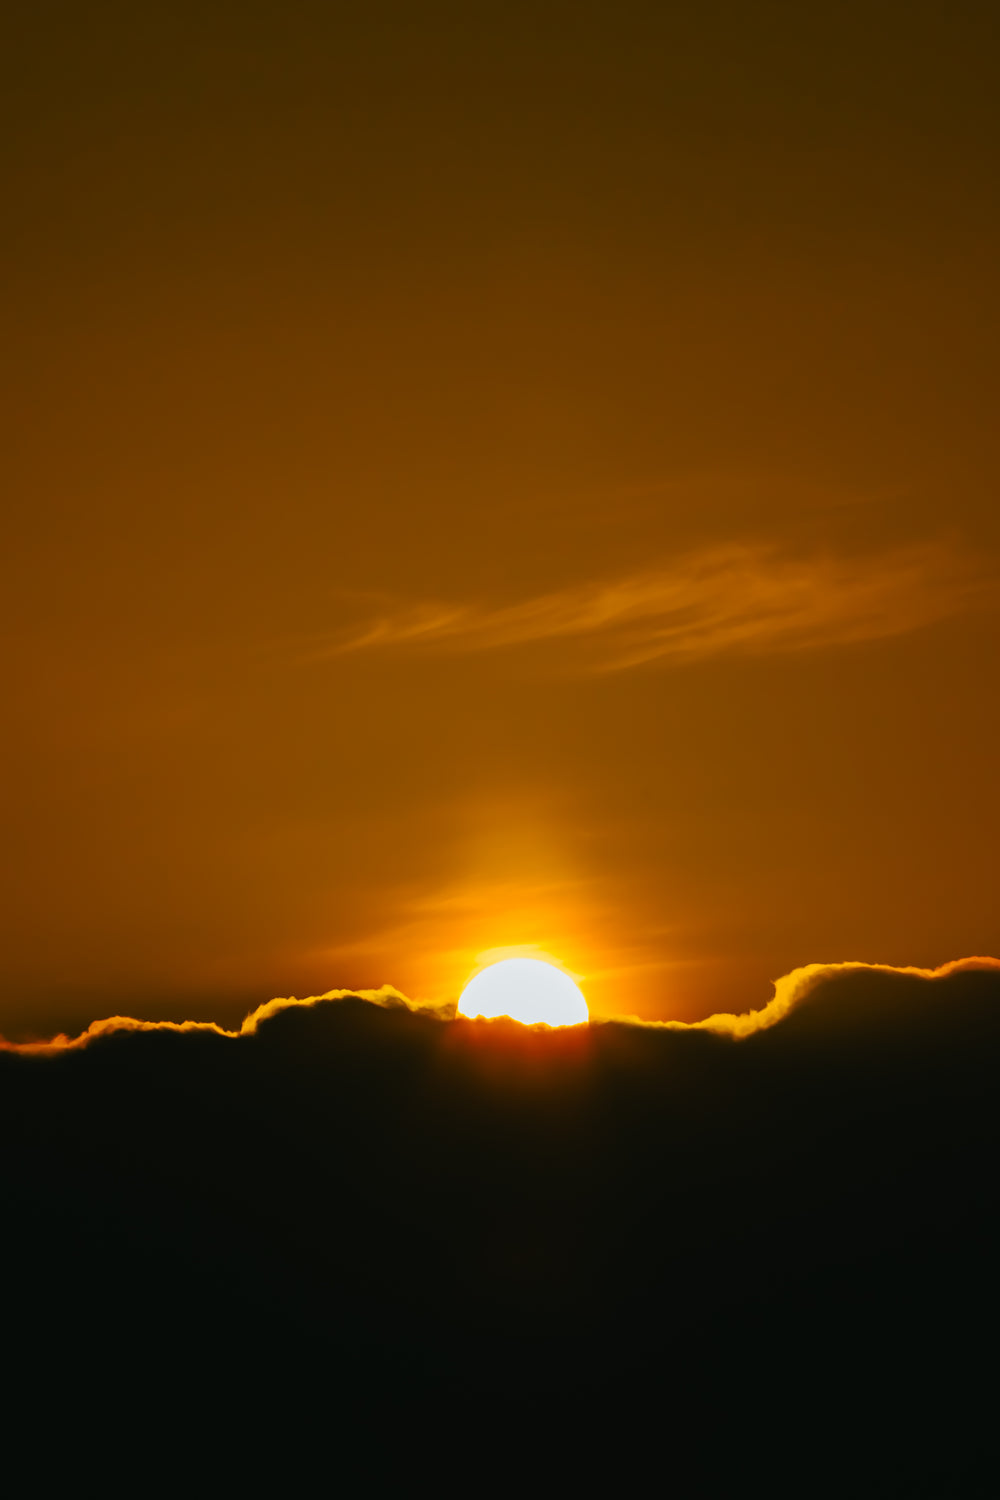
[527,990]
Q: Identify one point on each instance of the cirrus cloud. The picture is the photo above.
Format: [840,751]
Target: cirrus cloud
[735,599]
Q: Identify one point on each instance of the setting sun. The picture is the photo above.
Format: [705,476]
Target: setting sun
[527,990]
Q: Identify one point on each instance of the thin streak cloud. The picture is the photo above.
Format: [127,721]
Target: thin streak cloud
[715,602]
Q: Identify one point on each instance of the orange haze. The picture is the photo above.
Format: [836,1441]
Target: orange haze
[516,478]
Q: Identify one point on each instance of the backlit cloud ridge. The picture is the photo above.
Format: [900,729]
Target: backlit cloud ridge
[790,992]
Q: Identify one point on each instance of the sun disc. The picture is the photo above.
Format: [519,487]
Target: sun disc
[527,990]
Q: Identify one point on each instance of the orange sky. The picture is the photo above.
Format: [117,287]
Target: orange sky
[495,478]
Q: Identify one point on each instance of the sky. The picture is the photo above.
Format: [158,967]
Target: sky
[490,480]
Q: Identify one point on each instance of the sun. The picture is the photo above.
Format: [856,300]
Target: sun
[527,990]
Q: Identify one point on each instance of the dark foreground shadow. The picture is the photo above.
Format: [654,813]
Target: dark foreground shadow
[365,1248]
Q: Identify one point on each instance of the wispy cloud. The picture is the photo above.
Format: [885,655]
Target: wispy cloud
[721,600]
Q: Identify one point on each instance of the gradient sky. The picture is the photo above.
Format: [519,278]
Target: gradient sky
[495,477]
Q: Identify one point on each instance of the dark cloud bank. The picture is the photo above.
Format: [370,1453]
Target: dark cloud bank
[359,1243]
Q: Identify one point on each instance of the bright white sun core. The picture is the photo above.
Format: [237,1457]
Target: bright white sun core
[527,990]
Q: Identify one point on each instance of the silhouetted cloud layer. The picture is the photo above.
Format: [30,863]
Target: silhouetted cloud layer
[777,1230]
[791,991]
[724,599]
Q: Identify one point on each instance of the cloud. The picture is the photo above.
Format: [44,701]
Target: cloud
[802,987]
[351,1209]
[387,996]
[812,984]
[724,600]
